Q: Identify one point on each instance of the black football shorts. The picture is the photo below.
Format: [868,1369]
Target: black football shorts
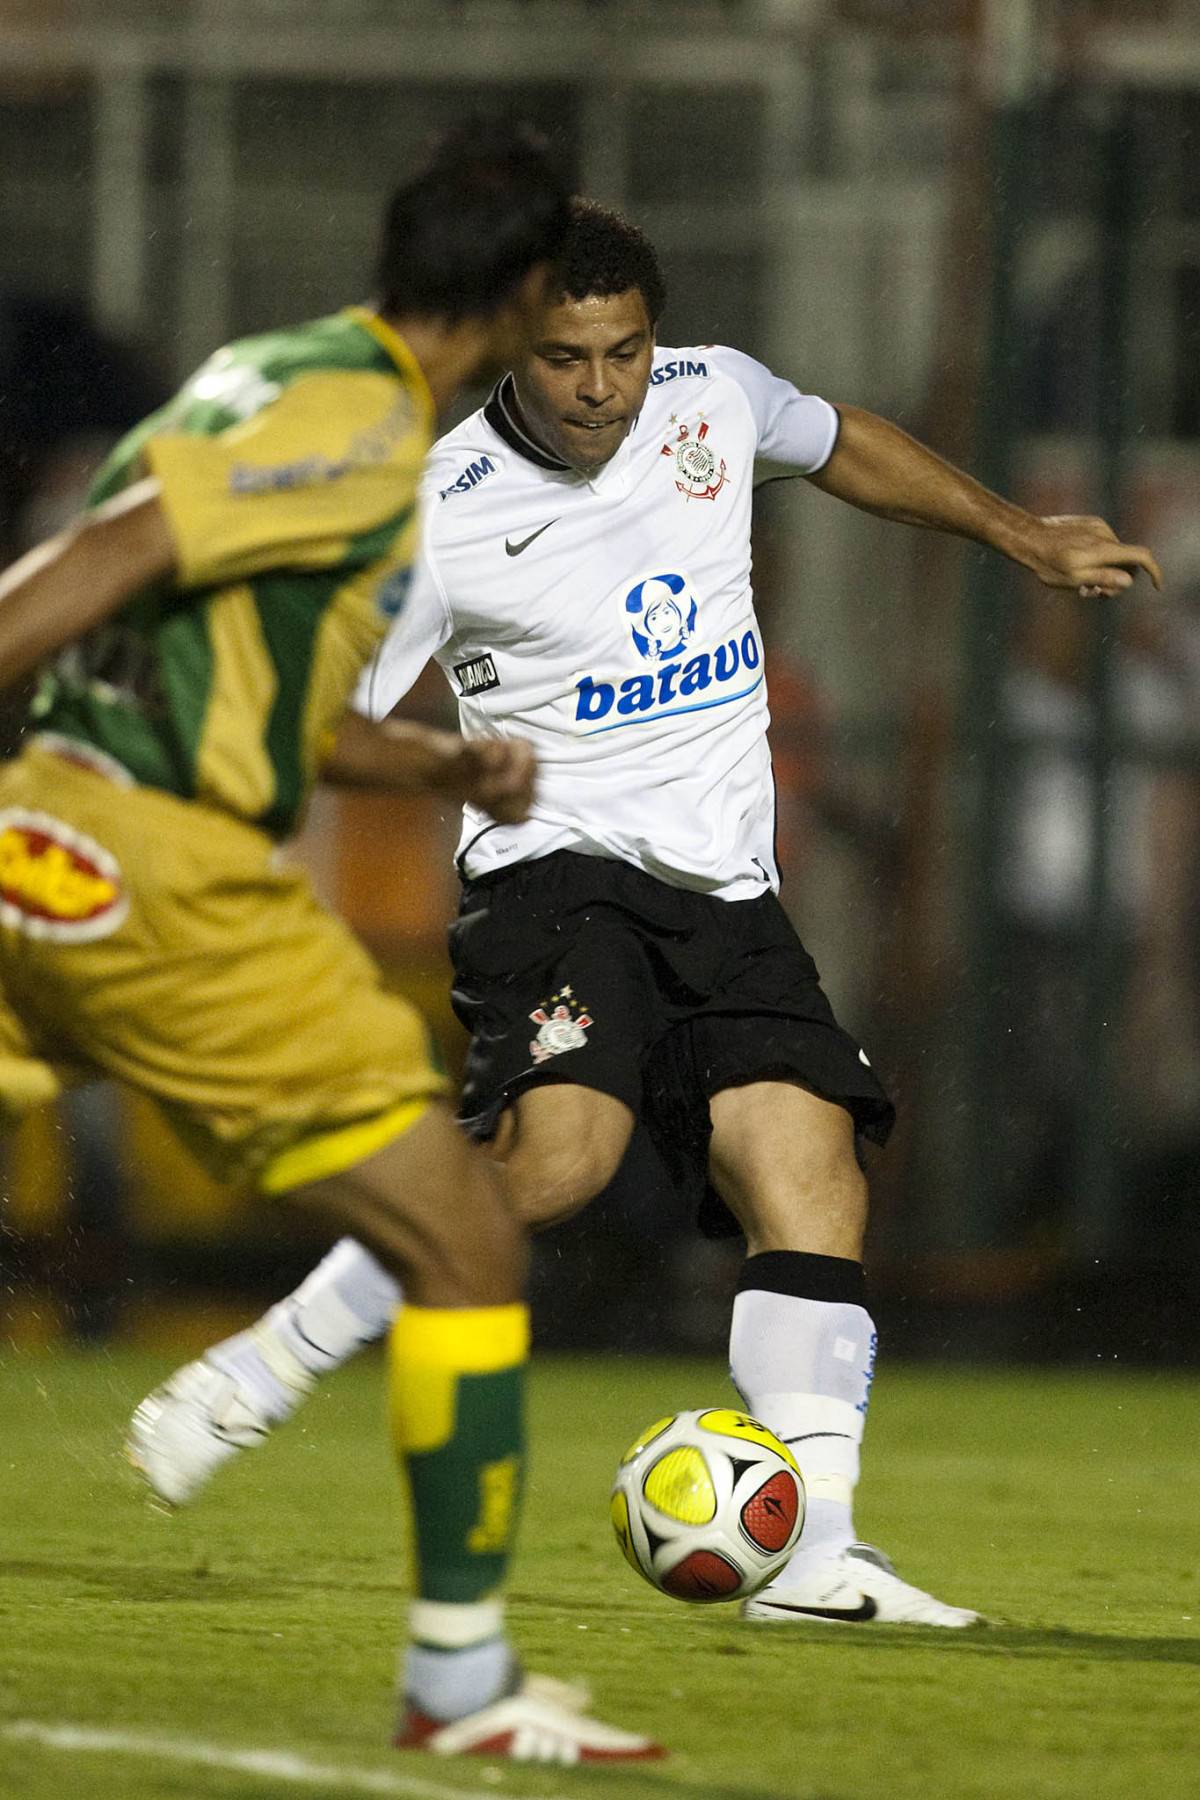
[581,969]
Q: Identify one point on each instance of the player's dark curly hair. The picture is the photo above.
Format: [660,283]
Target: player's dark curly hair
[604,254]
[460,236]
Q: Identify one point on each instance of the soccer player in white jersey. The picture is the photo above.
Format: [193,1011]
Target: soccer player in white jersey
[584,582]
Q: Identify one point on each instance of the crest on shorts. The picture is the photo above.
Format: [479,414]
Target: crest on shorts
[55,883]
[562,1023]
[699,471]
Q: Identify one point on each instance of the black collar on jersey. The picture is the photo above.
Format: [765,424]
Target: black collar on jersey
[501,413]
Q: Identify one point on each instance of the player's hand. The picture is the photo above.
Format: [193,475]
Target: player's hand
[495,774]
[1068,552]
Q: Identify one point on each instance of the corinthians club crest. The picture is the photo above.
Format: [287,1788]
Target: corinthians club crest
[562,1024]
[699,472]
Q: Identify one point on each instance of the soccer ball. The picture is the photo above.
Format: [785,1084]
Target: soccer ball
[708,1505]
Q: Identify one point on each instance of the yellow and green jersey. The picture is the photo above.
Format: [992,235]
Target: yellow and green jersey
[288,468]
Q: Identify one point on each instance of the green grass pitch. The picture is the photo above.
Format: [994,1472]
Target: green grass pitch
[1064,1505]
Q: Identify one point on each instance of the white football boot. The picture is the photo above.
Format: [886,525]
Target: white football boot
[857,1587]
[544,1721]
[184,1431]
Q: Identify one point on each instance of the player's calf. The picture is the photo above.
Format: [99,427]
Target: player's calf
[433,1209]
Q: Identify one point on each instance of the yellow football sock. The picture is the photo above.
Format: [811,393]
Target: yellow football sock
[457,1410]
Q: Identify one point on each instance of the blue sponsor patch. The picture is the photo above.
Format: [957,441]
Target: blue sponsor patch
[671,371]
[472,475]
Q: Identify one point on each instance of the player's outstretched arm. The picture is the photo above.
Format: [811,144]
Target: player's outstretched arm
[77,579]
[495,774]
[880,468]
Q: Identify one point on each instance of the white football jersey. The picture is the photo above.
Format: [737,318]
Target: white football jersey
[610,620]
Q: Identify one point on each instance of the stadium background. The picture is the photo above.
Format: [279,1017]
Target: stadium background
[982,220]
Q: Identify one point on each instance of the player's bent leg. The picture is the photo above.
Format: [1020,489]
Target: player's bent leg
[562,1143]
[231,1398]
[802,1341]
[456,1412]
[457,1501]
[439,1218]
[245,1386]
[431,1207]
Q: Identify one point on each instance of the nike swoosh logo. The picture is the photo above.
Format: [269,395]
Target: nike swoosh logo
[512,549]
[851,1615]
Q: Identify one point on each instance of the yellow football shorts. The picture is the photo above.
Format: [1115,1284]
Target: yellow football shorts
[164,942]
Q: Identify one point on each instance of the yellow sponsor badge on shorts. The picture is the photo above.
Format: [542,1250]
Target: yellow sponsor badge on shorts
[55,883]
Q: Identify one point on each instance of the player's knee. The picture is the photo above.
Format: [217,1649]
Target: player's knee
[549,1185]
[561,1145]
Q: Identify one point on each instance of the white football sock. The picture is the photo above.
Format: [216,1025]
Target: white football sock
[804,1368]
[459,1660]
[347,1301]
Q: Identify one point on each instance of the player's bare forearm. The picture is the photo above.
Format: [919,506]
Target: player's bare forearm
[79,578]
[399,755]
[879,468]
[403,757]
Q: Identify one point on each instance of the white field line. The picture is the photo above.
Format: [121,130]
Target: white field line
[275,1765]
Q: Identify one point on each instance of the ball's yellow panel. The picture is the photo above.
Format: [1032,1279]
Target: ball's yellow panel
[680,1485]
[619,1513]
[647,1437]
[741,1425]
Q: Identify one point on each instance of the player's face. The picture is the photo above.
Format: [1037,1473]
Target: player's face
[582,384]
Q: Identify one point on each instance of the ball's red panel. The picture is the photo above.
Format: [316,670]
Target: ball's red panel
[702,1576]
[769,1516]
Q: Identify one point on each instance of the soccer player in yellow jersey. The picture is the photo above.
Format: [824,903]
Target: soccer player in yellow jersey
[200,630]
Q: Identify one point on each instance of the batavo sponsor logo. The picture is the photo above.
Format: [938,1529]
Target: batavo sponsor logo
[711,677]
[55,883]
